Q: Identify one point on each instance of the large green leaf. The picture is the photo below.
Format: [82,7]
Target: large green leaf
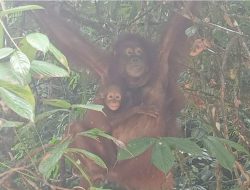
[50,160]
[6,123]
[17,104]
[27,49]
[20,65]
[135,148]
[185,145]
[59,56]
[38,41]
[89,155]
[5,52]
[95,107]
[22,91]
[232,144]
[57,103]
[218,150]
[162,157]
[19,9]
[45,70]
[7,74]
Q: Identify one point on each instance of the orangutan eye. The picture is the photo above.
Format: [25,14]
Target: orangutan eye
[118,97]
[138,51]
[129,51]
[110,96]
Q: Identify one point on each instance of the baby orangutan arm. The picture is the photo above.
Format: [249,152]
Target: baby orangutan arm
[141,109]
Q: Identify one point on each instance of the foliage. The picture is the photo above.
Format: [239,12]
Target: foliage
[40,95]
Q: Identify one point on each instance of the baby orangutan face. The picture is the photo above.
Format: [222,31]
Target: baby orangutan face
[113,98]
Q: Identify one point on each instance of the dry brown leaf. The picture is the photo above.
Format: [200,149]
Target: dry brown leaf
[46,156]
[237,102]
[199,46]
[232,74]
[212,83]
[228,20]
[198,101]
[188,86]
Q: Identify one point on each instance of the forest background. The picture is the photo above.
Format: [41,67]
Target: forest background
[41,93]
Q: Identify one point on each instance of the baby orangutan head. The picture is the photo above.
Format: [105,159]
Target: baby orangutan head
[113,97]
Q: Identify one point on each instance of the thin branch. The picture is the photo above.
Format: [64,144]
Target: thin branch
[223,83]
[218,174]
[8,34]
[223,28]
[244,173]
[212,25]
[140,16]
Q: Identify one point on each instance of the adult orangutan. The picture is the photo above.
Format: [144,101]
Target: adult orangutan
[134,64]
[154,92]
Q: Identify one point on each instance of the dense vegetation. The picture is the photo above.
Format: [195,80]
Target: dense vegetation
[40,94]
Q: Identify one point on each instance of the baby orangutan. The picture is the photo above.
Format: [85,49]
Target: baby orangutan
[119,106]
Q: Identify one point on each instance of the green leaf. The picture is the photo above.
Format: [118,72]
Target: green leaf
[191,31]
[17,104]
[162,157]
[57,103]
[234,145]
[77,165]
[95,107]
[89,155]
[135,148]
[6,123]
[7,74]
[1,36]
[44,115]
[38,41]
[21,91]
[217,149]
[20,65]
[95,133]
[185,145]
[5,52]
[59,56]
[19,9]
[51,159]
[27,49]
[45,70]
[95,188]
